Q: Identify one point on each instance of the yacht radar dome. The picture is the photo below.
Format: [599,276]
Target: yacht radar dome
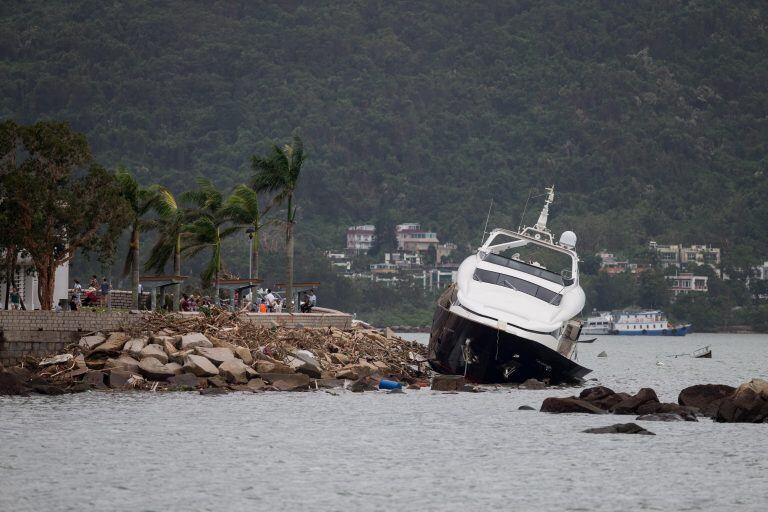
[568,239]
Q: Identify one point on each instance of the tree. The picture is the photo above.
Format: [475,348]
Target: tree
[140,201]
[59,207]
[168,225]
[279,172]
[205,229]
[590,264]
[9,233]
[242,208]
[653,290]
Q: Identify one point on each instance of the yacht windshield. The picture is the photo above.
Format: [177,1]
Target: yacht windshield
[517,284]
[533,267]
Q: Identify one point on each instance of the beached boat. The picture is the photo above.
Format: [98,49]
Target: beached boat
[509,316]
[598,324]
[646,323]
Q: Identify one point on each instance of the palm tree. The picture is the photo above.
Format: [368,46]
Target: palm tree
[140,200]
[168,225]
[279,172]
[242,208]
[205,228]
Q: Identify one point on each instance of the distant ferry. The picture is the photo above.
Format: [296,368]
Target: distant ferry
[602,323]
[645,323]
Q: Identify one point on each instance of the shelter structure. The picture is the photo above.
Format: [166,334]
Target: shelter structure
[157,286]
[237,287]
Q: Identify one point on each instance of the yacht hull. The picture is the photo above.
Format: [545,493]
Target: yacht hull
[494,356]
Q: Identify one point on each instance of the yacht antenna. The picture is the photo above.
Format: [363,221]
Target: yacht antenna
[522,217]
[485,229]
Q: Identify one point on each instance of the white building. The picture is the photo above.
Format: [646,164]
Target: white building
[678,255]
[410,237]
[687,283]
[361,238]
[25,279]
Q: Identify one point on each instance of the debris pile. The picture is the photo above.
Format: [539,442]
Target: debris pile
[169,352]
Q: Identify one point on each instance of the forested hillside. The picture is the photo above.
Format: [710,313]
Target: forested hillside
[650,117]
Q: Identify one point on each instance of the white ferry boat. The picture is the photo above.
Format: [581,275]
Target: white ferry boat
[599,324]
[646,323]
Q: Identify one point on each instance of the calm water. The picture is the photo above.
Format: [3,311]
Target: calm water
[375,451]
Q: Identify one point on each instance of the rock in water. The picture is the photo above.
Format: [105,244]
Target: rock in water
[705,397]
[665,416]
[620,428]
[569,405]
[448,383]
[533,384]
[119,378]
[596,393]
[185,380]
[213,391]
[287,382]
[748,404]
[155,351]
[256,384]
[364,384]
[217,355]
[200,366]
[602,354]
[12,384]
[631,404]
[194,339]
[153,369]
[125,362]
[525,408]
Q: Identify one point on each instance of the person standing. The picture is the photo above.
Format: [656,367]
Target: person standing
[77,292]
[312,298]
[270,298]
[94,283]
[15,298]
[105,287]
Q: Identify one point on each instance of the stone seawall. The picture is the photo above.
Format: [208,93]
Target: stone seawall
[41,333]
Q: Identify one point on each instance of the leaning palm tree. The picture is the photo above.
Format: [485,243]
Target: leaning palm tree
[205,229]
[168,224]
[279,172]
[242,208]
[141,200]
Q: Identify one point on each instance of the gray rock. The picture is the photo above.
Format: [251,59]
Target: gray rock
[602,354]
[176,368]
[287,381]
[95,379]
[180,356]
[118,378]
[525,408]
[124,362]
[665,416]
[533,384]
[569,405]
[12,384]
[235,371]
[748,404]
[115,342]
[194,339]
[153,369]
[620,428]
[256,384]
[631,404]
[155,351]
[364,384]
[188,380]
[200,366]
[213,391]
[244,354]
[134,346]
[216,355]
[448,383]
[596,393]
[58,359]
[705,397]
[91,342]
[328,383]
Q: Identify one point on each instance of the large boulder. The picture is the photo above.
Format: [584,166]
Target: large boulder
[533,384]
[176,368]
[119,378]
[124,362]
[200,366]
[216,355]
[235,371]
[364,384]
[180,356]
[569,405]
[610,400]
[596,393]
[287,381]
[448,383]
[91,342]
[705,397]
[631,404]
[748,404]
[244,354]
[194,339]
[620,428]
[134,346]
[263,366]
[57,359]
[355,371]
[665,416]
[12,384]
[155,351]
[687,413]
[115,342]
[186,380]
[160,339]
[256,384]
[153,369]
[306,364]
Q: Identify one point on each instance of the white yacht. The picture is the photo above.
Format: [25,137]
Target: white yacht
[598,324]
[509,316]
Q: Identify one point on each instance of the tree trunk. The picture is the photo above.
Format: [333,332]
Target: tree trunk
[255,255]
[289,266]
[217,266]
[46,275]
[177,272]
[135,267]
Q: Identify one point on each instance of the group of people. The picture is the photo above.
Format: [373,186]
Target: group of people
[192,302]
[308,301]
[97,294]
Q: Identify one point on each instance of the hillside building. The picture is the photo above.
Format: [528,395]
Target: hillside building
[361,238]
[687,283]
[679,255]
[410,237]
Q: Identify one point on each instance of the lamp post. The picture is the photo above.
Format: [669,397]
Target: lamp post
[250,231]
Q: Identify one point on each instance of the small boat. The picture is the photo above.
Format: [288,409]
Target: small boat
[646,323]
[599,323]
[590,340]
[510,315]
[703,353]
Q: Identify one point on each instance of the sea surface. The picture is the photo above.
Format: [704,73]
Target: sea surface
[421,450]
